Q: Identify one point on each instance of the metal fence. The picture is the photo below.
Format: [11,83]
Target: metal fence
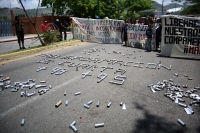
[6,28]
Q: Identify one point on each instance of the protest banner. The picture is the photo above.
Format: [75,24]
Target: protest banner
[180,37]
[137,36]
[109,31]
[97,30]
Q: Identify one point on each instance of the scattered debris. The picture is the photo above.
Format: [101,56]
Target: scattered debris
[59,71]
[176,74]
[105,67]
[181,122]
[101,76]
[121,70]
[138,64]
[99,125]
[86,74]
[109,104]
[124,106]
[72,126]
[98,103]
[58,104]
[86,106]
[66,103]
[90,102]
[77,93]
[175,93]
[22,122]
[119,78]
[41,68]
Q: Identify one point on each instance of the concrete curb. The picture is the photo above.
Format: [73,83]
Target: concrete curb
[36,49]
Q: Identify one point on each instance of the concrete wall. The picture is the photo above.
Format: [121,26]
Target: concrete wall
[28,27]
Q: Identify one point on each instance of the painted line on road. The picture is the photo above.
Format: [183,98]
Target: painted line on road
[24,104]
[25,57]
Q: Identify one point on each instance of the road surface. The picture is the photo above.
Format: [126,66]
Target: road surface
[143,111]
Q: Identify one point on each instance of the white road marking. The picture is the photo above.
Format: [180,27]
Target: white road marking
[20,106]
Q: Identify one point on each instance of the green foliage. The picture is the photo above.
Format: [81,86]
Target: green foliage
[193,1]
[21,15]
[130,15]
[112,9]
[4,18]
[82,8]
[146,13]
[138,5]
[178,1]
[49,36]
[69,28]
[58,6]
[191,10]
[107,8]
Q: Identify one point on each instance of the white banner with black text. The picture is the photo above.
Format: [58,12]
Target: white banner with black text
[180,37]
[109,31]
[137,36]
[97,30]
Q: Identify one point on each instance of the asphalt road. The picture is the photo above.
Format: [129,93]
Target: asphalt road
[146,112]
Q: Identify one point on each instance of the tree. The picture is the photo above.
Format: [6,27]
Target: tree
[176,1]
[193,1]
[107,8]
[58,6]
[82,8]
[4,18]
[33,22]
[146,13]
[134,6]
[21,15]
[193,9]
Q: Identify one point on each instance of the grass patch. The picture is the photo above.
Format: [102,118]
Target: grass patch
[68,40]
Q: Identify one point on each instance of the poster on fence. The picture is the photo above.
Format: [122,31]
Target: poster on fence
[109,31]
[98,30]
[180,37]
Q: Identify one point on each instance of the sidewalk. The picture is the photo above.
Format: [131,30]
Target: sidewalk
[9,43]
[14,38]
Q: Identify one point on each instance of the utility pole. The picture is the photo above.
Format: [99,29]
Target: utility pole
[98,9]
[9,3]
[162,7]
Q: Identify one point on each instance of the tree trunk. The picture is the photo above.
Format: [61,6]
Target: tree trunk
[33,23]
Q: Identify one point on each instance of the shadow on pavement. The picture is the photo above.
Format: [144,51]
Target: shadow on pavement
[198,130]
[152,123]
[159,55]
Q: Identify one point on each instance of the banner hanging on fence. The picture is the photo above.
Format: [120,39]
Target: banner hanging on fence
[180,37]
